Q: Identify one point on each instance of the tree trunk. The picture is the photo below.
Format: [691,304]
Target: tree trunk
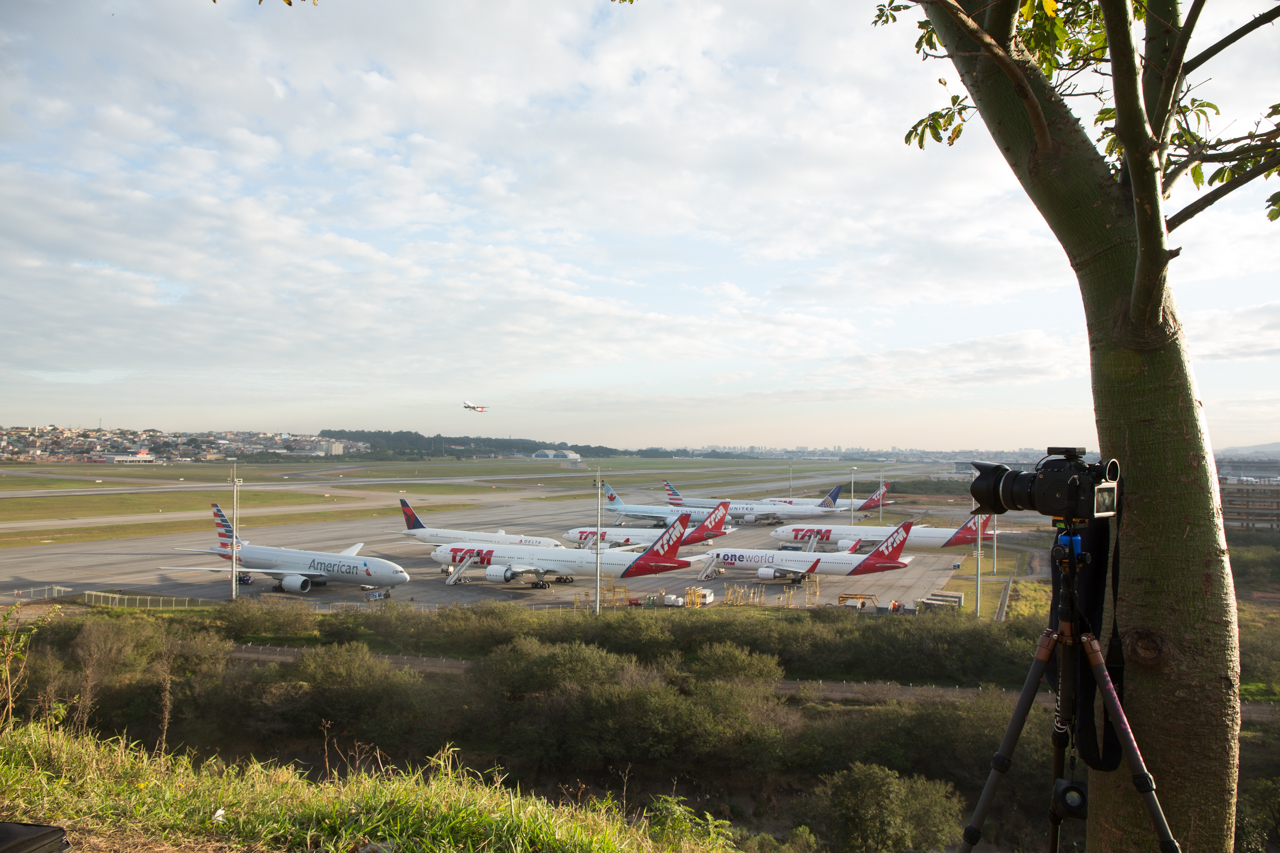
[1176,609]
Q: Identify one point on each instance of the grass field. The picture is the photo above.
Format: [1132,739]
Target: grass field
[12,483]
[577,496]
[28,538]
[92,506]
[428,488]
[211,472]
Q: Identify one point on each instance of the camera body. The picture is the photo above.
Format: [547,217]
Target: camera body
[1063,486]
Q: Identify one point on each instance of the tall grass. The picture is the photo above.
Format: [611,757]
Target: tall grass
[51,776]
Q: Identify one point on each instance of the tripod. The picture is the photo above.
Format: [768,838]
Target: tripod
[1068,798]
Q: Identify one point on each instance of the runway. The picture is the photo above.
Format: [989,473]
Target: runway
[132,565]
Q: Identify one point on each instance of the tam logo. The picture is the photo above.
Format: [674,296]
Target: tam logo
[461,555]
[804,534]
[892,542]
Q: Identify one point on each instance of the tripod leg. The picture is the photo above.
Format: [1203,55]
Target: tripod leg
[1003,760]
[1142,780]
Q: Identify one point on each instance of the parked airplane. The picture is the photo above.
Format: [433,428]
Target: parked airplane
[745,511]
[630,537]
[467,404]
[794,565]
[505,563]
[874,502]
[674,498]
[839,537]
[442,536]
[298,571]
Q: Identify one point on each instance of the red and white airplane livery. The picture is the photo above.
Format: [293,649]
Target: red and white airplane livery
[711,527]
[794,565]
[874,502]
[840,537]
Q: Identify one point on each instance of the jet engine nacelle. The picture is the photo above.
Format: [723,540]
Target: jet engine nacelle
[749,519]
[772,575]
[296,583]
[499,574]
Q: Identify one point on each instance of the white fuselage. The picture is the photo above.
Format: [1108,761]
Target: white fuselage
[564,562]
[829,536]
[318,565]
[747,511]
[782,564]
[441,536]
[618,537]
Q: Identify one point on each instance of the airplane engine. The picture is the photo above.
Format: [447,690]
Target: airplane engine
[772,575]
[499,574]
[296,583]
[749,519]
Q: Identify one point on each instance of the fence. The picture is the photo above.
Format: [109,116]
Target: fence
[146,602]
[39,593]
[1002,610]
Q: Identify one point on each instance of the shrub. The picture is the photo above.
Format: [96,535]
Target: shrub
[245,618]
[868,808]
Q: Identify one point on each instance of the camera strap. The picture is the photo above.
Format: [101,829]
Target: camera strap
[1109,757]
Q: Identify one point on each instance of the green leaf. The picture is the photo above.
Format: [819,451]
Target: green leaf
[1197,175]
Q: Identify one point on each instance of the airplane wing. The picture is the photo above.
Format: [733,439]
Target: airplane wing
[241,569]
[353,550]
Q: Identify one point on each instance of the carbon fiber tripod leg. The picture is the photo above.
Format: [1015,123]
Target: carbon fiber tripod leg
[1003,760]
[1142,780]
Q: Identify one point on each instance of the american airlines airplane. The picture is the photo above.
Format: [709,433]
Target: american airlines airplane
[874,502]
[809,509]
[505,563]
[748,512]
[442,536]
[794,565]
[840,537]
[298,571]
[630,537]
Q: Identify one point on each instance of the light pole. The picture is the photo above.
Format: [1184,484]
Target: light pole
[599,512]
[235,538]
[882,497]
[852,473]
[790,480]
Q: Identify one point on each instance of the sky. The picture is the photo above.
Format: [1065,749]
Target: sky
[659,223]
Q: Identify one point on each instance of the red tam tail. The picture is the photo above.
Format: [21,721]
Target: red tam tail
[886,555]
[662,555]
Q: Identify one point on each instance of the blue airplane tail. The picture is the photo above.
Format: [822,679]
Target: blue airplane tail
[831,498]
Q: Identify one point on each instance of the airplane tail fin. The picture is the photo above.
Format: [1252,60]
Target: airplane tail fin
[967,533]
[662,555]
[830,500]
[877,498]
[854,547]
[674,497]
[887,554]
[411,520]
[224,529]
[611,497]
[712,525]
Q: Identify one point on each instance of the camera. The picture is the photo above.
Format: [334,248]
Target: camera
[1063,486]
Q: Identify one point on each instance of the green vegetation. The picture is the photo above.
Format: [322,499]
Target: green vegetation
[89,506]
[17,484]
[929,487]
[427,488]
[1255,559]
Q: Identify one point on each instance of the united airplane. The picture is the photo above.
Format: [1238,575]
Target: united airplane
[298,571]
[747,512]
[794,565]
[712,527]
[874,502]
[839,537]
[441,536]
[505,563]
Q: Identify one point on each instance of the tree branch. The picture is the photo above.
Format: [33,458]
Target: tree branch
[1021,87]
[1141,154]
[1176,174]
[1230,186]
[1161,116]
[1226,42]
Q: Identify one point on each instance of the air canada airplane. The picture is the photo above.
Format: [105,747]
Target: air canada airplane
[838,537]
[298,571]
[467,404]
[711,527]
[442,536]
[505,563]
[745,511]
[794,565]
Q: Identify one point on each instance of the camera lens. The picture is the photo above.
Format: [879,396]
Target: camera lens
[997,489]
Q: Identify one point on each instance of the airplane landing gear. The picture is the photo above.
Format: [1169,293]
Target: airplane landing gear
[541,585]
[564,580]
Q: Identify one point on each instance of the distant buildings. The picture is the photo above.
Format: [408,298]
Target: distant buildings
[1249,503]
[552,453]
[134,447]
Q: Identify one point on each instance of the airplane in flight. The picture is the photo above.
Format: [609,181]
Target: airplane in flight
[297,571]
[467,404]
[874,502]
[794,565]
[747,512]
[711,527]
[443,536]
[505,563]
[810,508]
[839,537]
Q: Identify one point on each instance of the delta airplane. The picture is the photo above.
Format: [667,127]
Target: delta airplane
[442,536]
[674,498]
[839,538]
[794,565]
[505,563]
[467,404]
[711,527]
[874,502]
[298,571]
[745,511]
